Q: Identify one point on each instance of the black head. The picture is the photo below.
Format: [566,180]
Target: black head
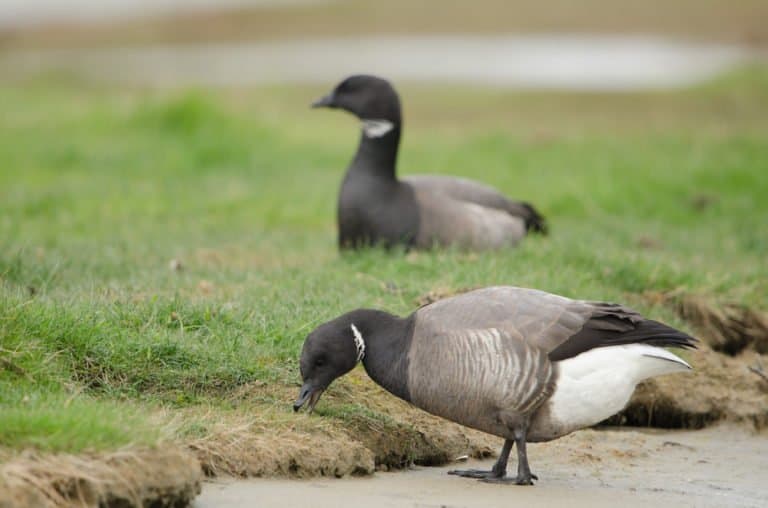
[329,352]
[367,97]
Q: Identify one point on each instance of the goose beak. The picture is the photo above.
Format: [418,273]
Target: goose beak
[324,102]
[307,393]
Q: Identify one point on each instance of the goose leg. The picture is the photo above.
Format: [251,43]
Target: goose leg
[524,475]
[499,469]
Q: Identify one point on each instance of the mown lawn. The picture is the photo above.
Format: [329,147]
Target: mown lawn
[102,343]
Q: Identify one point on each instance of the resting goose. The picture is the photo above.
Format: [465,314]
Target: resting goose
[420,211]
[518,363]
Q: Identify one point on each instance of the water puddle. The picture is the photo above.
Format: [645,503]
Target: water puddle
[599,63]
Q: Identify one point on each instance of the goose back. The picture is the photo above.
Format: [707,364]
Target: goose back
[541,319]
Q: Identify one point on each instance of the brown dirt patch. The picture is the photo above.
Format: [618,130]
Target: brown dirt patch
[163,477]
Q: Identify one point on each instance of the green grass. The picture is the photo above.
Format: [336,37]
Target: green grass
[101,188]
[46,420]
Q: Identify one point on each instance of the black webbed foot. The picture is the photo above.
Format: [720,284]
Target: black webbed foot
[475,473]
[507,480]
[498,471]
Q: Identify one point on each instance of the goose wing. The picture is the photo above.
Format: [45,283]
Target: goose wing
[444,220]
[470,191]
[560,326]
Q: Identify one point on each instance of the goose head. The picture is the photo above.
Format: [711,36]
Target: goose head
[329,352]
[369,98]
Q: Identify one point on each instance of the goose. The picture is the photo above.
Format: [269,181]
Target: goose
[375,207]
[518,363]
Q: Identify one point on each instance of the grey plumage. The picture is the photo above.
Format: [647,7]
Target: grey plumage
[494,380]
[509,361]
[419,211]
[486,196]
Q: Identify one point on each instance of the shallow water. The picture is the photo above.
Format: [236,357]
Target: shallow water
[711,468]
[535,61]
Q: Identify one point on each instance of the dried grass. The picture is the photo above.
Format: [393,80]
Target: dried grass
[727,327]
[167,476]
[248,450]
[388,433]
[440,293]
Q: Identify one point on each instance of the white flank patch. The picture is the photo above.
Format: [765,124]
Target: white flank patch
[598,383]
[376,128]
[359,343]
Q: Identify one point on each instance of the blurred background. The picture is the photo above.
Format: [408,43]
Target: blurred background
[168,198]
[593,44]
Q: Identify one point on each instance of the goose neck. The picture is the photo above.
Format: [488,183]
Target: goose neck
[387,341]
[377,154]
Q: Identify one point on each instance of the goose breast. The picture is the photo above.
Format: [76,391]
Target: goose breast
[486,379]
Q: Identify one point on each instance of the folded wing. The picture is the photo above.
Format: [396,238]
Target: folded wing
[474,192]
[560,326]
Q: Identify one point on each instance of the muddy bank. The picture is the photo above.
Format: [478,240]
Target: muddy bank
[716,467]
[162,477]
[357,429]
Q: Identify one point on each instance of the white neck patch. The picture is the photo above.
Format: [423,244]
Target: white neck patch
[376,128]
[359,343]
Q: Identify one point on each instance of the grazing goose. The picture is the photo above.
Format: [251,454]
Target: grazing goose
[420,211]
[518,363]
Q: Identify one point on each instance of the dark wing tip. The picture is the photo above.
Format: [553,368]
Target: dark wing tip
[617,327]
[534,221]
[666,336]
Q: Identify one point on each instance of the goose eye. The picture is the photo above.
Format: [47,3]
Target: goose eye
[319,362]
